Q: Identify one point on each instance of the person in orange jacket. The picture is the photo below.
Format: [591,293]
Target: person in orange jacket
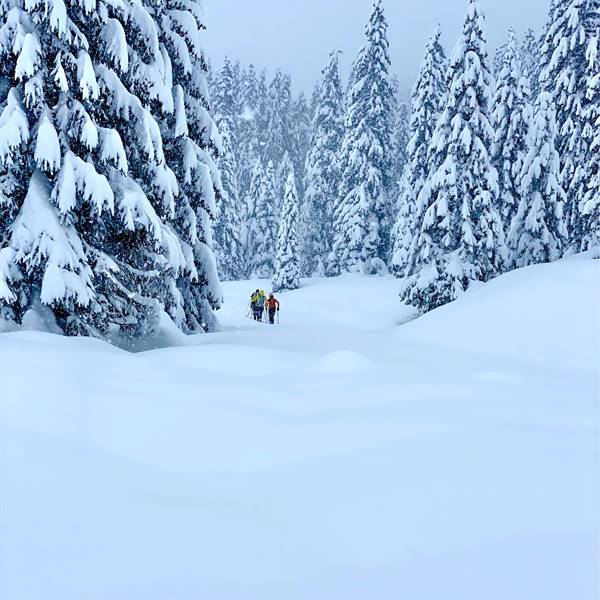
[272,308]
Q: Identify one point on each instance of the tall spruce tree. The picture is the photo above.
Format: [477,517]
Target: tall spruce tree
[299,141]
[56,197]
[530,49]
[427,97]
[285,166]
[590,206]
[460,238]
[262,116]
[287,263]
[89,201]
[249,228]
[511,118]
[364,211]
[569,66]
[191,146]
[248,143]
[538,230]
[279,127]
[400,138]
[322,177]
[228,247]
[266,226]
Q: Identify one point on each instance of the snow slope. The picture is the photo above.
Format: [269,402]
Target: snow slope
[340,455]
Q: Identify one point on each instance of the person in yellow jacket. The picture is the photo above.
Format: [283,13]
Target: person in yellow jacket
[254,300]
[262,304]
[258,302]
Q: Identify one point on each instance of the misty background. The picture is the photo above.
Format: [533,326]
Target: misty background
[298,36]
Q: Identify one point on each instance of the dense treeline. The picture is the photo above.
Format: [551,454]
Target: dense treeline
[495,165]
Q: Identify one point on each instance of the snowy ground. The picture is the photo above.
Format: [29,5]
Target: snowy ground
[339,456]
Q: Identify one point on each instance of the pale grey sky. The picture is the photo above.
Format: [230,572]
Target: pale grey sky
[297,35]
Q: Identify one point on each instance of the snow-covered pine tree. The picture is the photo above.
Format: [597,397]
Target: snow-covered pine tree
[248,141]
[530,59]
[427,97]
[191,145]
[314,100]
[538,231]
[262,116]
[322,176]
[569,65]
[228,225]
[364,211]
[224,101]
[238,80]
[300,138]
[279,128]
[285,166]
[499,59]
[265,226]
[400,135]
[461,239]
[590,206]
[287,263]
[228,248]
[249,229]
[80,235]
[511,118]
[400,139]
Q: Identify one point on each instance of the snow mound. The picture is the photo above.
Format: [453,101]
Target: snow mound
[544,314]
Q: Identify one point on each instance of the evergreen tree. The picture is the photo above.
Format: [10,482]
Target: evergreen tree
[263,253]
[191,147]
[569,66]
[460,238]
[285,166]
[590,206]
[238,92]
[511,118]
[538,230]
[363,212]
[228,247]
[90,205]
[499,59]
[530,50]
[228,224]
[249,225]
[400,138]
[287,264]
[72,204]
[279,128]
[262,117]
[299,141]
[248,142]
[314,100]
[322,177]
[427,97]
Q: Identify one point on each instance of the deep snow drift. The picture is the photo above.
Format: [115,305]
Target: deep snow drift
[340,455]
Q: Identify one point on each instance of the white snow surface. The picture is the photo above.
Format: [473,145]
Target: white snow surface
[340,455]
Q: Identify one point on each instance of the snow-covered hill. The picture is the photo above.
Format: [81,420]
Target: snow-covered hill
[349,453]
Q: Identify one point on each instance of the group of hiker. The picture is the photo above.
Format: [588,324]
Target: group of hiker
[260,304]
